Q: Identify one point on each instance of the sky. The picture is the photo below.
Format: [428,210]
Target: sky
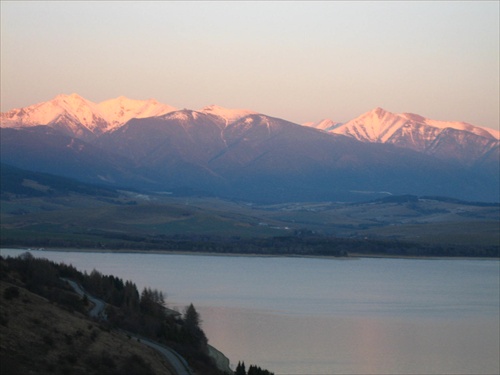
[298,60]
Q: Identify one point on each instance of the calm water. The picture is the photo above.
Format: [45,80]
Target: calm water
[326,316]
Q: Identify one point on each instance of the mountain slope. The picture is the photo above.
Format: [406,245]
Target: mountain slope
[16,182]
[259,157]
[47,150]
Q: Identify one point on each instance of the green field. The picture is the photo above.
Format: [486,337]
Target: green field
[41,210]
[131,220]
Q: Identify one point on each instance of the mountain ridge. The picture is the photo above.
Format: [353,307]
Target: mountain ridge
[67,112]
[380,121]
[382,126]
[243,154]
[116,112]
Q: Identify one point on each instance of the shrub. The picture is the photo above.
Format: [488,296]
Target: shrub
[93,335]
[48,340]
[11,292]
[107,361]
[4,320]
[135,365]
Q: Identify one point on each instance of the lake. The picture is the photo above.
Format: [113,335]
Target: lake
[328,316]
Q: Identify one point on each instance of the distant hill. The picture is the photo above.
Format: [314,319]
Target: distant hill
[414,198]
[19,182]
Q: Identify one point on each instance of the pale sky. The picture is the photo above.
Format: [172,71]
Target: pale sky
[301,61]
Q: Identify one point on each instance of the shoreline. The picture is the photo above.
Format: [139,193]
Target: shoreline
[350,256]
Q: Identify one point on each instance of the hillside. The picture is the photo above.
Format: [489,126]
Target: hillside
[17,182]
[37,336]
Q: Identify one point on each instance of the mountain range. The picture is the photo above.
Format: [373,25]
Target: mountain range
[444,139]
[242,154]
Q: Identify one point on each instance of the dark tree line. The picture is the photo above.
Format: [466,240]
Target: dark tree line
[299,243]
[252,370]
[146,314]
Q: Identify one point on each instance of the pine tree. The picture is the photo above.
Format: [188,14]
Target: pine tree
[191,317]
[192,328]
[240,369]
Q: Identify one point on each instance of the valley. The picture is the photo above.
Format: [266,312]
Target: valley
[84,216]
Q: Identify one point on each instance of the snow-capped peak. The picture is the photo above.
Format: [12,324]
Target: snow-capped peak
[380,112]
[120,110]
[376,125]
[72,109]
[75,98]
[75,114]
[229,115]
[326,124]
[83,110]
[379,125]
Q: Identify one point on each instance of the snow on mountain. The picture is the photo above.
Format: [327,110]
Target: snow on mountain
[463,126]
[380,126]
[120,110]
[325,124]
[451,140]
[375,126]
[82,118]
[78,117]
[72,110]
[229,115]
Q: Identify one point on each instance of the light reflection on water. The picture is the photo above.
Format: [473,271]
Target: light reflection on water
[324,316]
[357,344]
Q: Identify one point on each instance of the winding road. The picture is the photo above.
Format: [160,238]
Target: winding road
[178,364]
[99,305]
[176,361]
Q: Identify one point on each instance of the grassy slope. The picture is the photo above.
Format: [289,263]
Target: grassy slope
[39,337]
